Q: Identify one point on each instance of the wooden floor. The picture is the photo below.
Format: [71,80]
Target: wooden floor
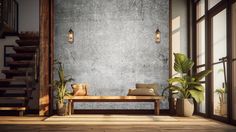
[112,123]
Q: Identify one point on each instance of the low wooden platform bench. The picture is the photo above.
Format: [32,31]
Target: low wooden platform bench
[154,99]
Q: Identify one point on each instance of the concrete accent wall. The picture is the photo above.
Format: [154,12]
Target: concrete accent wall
[114,46]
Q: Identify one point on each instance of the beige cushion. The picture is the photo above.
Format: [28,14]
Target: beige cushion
[153,86]
[141,92]
[80,89]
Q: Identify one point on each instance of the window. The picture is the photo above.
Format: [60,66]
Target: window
[200,9]
[212,3]
[200,45]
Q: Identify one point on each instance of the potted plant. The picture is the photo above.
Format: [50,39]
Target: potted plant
[222,94]
[61,89]
[188,86]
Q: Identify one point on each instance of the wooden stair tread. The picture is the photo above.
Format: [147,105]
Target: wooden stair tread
[26,49]
[29,36]
[21,56]
[14,96]
[16,88]
[16,72]
[13,85]
[20,63]
[13,79]
[13,106]
[13,71]
[28,42]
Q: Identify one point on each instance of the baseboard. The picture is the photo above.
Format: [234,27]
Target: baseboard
[119,111]
[94,111]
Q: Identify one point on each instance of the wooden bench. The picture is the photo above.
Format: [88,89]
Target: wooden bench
[155,99]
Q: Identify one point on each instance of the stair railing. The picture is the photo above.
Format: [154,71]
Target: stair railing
[32,77]
[6,54]
[36,64]
[9,12]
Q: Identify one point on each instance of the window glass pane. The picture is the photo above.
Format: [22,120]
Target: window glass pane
[200,9]
[201,42]
[219,73]
[220,90]
[199,70]
[219,35]
[202,105]
[234,56]
[234,89]
[212,3]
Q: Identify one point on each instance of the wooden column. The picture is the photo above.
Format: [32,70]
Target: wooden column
[51,52]
[44,57]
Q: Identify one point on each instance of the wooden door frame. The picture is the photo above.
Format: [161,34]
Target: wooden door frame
[214,11]
[229,15]
[46,30]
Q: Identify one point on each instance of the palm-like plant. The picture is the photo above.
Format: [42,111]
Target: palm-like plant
[60,85]
[221,92]
[188,86]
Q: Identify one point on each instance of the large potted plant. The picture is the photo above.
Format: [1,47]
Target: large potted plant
[61,89]
[188,86]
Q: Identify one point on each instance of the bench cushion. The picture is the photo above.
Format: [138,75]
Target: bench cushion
[141,92]
[153,86]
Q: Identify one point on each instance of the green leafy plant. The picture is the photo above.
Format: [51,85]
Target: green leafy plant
[60,85]
[188,86]
[220,92]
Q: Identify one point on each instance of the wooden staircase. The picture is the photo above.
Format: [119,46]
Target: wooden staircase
[20,74]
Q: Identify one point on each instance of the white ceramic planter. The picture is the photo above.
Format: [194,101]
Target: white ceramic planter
[184,107]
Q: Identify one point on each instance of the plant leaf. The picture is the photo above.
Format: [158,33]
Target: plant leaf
[182,63]
[201,75]
[198,96]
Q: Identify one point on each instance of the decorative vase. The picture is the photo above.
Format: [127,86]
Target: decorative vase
[184,107]
[61,108]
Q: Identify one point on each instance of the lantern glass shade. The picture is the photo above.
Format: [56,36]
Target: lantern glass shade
[158,36]
[70,36]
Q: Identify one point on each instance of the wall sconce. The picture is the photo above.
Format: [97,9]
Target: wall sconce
[158,36]
[71,36]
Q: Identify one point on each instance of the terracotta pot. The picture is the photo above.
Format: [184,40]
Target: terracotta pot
[223,109]
[61,109]
[79,89]
[184,107]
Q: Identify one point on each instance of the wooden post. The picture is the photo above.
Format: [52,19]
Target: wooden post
[72,107]
[70,102]
[44,58]
[157,107]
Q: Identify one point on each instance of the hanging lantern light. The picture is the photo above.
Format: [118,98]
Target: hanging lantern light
[71,36]
[158,36]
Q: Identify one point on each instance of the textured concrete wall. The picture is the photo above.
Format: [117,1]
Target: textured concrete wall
[114,45]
